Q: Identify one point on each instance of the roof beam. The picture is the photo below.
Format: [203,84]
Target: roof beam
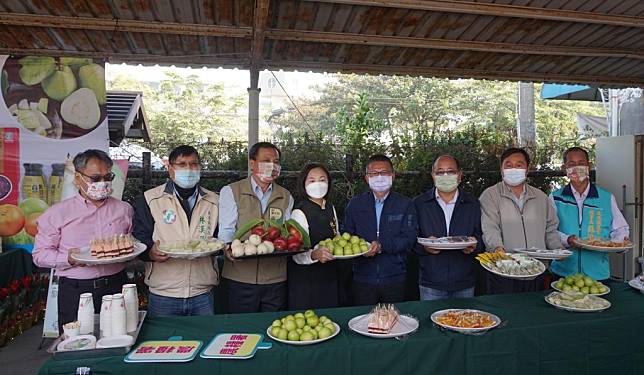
[444,44]
[613,81]
[502,10]
[260,19]
[116,25]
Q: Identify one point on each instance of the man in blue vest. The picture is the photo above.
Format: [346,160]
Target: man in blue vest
[578,202]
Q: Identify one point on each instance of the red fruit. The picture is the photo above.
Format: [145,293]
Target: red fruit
[258,230]
[293,243]
[273,233]
[280,244]
[293,231]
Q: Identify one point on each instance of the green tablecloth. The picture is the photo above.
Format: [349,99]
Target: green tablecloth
[538,339]
[14,264]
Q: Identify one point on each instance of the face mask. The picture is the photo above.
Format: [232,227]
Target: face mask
[98,191]
[187,178]
[317,190]
[514,176]
[265,171]
[446,183]
[581,172]
[380,184]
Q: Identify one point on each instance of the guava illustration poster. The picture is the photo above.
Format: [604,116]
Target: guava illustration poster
[51,108]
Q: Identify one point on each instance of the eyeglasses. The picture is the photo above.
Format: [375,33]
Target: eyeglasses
[380,173]
[98,178]
[184,165]
[449,172]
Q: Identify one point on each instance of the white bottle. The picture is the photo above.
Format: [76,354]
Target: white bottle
[117,311]
[131,307]
[105,325]
[86,314]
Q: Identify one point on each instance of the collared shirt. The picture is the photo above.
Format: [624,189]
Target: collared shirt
[448,208]
[520,200]
[228,208]
[380,203]
[73,223]
[619,226]
[192,200]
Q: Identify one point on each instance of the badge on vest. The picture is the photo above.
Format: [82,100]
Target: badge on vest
[275,213]
[169,216]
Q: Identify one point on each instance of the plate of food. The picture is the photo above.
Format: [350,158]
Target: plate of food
[603,245]
[383,322]
[192,249]
[638,283]
[580,283]
[465,320]
[512,266]
[303,328]
[546,254]
[448,243]
[109,250]
[577,302]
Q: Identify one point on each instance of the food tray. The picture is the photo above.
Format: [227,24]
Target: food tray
[85,256]
[436,314]
[448,243]
[89,353]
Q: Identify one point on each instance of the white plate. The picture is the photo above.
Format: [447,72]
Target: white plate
[435,315]
[85,255]
[83,342]
[517,277]
[194,255]
[438,245]
[115,341]
[552,285]
[637,284]
[604,249]
[301,343]
[575,309]
[404,326]
[348,256]
[545,254]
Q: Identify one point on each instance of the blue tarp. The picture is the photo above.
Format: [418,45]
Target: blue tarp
[570,92]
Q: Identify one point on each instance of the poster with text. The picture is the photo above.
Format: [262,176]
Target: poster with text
[52,108]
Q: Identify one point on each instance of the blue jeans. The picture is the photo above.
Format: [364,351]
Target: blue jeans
[170,306]
[430,294]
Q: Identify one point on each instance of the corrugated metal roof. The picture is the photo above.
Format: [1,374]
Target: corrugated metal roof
[126,116]
[585,41]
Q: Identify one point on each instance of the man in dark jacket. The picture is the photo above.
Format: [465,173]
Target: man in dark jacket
[387,220]
[446,210]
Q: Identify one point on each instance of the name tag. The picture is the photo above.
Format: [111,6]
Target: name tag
[275,214]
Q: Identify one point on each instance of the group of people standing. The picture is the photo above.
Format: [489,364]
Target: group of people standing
[508,215]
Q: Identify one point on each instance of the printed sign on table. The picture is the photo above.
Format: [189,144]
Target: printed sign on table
[234,346]
[165,351]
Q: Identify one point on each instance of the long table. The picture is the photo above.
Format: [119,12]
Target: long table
[537,339]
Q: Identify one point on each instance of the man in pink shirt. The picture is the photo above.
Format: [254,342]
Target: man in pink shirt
[73,223]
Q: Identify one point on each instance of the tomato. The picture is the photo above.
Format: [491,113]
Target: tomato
[293,243]
[280,243]
[273,233]
[11,220]
[258,230]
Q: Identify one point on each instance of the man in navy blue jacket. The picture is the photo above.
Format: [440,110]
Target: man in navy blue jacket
[387,220]
[446,210]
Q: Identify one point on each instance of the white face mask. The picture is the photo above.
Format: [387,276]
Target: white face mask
[579,172]
[317,190]
[380,184]
[514,176]
[98,191]
[265,171]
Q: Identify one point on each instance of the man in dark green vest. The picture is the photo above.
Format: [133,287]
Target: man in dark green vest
[585,211]
[255,285]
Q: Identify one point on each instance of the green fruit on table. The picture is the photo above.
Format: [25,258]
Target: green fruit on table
[299,315]
[312,321]
[276,323]
[567,288]
[588,281]
[306,328]
[338,251]
[580,283]
[319,327]
[282,334]
[324,333]
[346,236]
[275,331]
[355,240]
[308,313]
[293,336]
[342,242]
[290,317]
[314,333]
[585,290]
[364,248]
[330,327]
[299,331]
[570,280]
[300,322]
[594,290]
[576,288]
[290,325]
[306,336]
[559,285]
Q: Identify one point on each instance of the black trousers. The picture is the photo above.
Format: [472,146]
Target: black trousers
[69,291]
[371,294]
[249,298]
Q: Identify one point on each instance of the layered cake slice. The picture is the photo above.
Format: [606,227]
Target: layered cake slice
[382,319]
[111,247]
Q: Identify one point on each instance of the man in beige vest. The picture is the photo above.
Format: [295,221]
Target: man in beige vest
[175,211]
[255,285]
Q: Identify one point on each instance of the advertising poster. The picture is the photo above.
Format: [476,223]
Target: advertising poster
[51,109]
